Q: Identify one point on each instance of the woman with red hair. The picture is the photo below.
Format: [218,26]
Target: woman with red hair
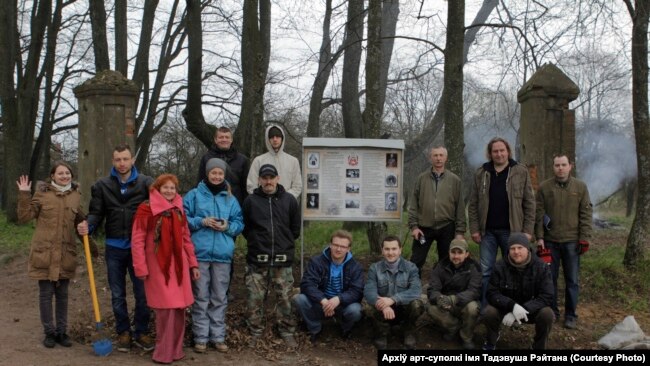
[163,257]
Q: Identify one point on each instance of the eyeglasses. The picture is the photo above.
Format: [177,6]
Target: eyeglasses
[342,247]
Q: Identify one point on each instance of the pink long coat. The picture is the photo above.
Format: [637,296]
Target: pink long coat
[159,294]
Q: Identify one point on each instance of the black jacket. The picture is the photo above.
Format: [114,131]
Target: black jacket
[463,282]
[107,202]
[314,281]
[238,166]
[271,225]
[531,287]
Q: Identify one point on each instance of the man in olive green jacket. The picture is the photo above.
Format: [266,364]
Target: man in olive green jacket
[436,209]
[502,201]
[563,226]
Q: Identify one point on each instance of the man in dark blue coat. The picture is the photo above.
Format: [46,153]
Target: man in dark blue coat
[332,285]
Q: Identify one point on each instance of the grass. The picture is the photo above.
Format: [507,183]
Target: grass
[14,239]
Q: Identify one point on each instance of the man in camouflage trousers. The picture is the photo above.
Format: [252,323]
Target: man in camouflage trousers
[272,224]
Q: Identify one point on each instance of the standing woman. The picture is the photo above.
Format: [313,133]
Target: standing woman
[53,254]
[163,257]
[215,218]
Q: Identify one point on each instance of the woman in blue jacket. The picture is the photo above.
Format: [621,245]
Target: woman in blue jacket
[215,219]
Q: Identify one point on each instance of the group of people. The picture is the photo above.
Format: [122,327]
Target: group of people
[178,251]
[503,213]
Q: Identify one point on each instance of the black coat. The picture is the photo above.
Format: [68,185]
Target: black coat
[238,166]
[271,226]
[107,202]
[530,287]
[463,282]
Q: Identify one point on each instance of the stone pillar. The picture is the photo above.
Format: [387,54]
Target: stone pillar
[106,118]
[547,125]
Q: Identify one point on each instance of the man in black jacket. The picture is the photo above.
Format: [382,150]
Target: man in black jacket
[332,285]
[454,293]
[116,198]
[271,225]
[520,290]
[238,163]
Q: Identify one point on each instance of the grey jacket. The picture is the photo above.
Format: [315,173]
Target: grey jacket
[436,206]
[403,286]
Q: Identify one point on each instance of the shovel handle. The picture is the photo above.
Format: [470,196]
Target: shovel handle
[91,278]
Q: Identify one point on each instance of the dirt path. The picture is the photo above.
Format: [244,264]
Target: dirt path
[20,340]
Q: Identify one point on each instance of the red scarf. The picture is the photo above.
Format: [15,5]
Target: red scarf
[168,239]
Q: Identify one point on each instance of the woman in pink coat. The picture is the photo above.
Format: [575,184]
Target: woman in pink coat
[163,257]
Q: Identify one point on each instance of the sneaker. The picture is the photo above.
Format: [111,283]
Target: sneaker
[221,347]
[252,343]
[409,341]
[63,340]
[200,347]
[290,341]
[124,342]
[380,342]
[468,345]
[570,323]
[489,346]
[145,342]
[49,341]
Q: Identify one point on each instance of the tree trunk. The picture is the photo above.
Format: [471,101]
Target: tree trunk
[19,101]
[373,112]
[326,62]
[435,124]
[453,84]
[637,241]
[255,51]
[193,113]
[121,50]
[100,43]
[40,161]
[351,110]
[630,189]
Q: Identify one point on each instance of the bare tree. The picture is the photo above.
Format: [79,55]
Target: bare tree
[98,23]
[121,32]
[637,241]
[351,109]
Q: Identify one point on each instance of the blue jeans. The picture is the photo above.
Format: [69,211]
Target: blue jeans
[312,314]
[210,302]
[491,241]
[567,253]
[118,262]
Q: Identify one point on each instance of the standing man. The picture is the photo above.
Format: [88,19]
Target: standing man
[271,225]
[564,202]
[393,294]
[521,290]
[332,285]
[287,165]
[238,163]
[116,198]
[502,201]
[454,293]
[436,210]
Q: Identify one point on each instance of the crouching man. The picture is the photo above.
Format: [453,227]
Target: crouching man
[454,293]
[393,294]
[520,290]
[332,285]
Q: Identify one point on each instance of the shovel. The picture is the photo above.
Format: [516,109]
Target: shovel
[102,345]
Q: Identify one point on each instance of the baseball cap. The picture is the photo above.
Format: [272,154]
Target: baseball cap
[459,244]
[268,169]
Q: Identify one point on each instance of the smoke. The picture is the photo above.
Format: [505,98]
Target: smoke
[604,160]
[477,137]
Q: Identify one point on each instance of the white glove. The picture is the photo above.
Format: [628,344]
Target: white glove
[520,313]
[508,320]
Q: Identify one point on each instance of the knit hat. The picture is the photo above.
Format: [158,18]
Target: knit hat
[215,163]
[459,244]
[518,238]
[268,169]
[275,131]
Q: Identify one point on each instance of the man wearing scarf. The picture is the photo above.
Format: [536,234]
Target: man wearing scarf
[520,290]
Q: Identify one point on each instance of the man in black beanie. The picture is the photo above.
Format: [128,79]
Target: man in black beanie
[520,290]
